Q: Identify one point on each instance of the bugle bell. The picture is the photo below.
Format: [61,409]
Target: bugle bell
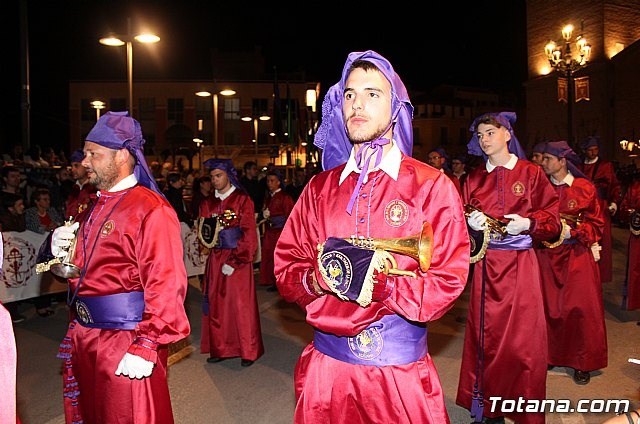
[418,247]
[65,268]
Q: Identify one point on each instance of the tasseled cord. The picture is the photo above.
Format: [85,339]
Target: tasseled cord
[70,389]
[363,160]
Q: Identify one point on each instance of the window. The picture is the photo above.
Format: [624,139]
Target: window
[175,111]
[444,135]
[465,135]
[232,109]
[118,104]
[147,108]
[260,107]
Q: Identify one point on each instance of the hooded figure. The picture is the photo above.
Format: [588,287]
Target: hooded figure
[506,119]
[117,130]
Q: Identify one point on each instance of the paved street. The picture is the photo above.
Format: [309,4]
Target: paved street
[263,393]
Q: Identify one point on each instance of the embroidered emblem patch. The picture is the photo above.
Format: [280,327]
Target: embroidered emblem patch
[396,213]
[84,315]
[107,228]
[572,204]
[518,189]
[367,345]
[339,270]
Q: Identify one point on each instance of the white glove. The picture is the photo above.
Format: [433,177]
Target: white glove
[266,214]
[595,250]
[61,239]
[477,221]
[517,224]
[613,208]
[566,232]
[227,270]
[134,366]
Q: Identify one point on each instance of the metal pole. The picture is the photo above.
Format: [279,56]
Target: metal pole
[570,96]
[130,66]
[255,136]
[215,125]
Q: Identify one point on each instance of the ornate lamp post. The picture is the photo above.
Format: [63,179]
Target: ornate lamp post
[214,110]
[121,40]
[563,60]
[97,105]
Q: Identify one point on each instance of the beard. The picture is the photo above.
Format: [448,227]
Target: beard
[362,135]
[105,178]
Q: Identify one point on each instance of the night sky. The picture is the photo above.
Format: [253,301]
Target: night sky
[481,45]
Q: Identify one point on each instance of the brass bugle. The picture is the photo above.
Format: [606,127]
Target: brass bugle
[494,225]
[66,268]
[418,247]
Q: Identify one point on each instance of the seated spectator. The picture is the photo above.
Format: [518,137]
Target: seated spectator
[41,217]
[12,213]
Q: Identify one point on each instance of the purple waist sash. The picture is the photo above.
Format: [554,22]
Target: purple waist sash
[392,340]
[277,221]
[228,238]
[519,242]
[121,311]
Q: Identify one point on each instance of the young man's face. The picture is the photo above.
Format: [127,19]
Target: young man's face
[220,180]
[536,158]
[552,164]
[12,179]
[493,140]
[78,172]
[457,166]
[17,208]
[592,152]
[273,183]
[366,106]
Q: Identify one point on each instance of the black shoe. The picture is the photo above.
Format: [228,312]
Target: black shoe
[494,420]
[16,318]
[45,312]
[581,377]
[246,363]
[214,360]
[272,288]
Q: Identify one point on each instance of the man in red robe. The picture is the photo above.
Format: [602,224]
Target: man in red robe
[603,175]
[82,192]
[570,277]
[631,203]
[505,339]
[277,207]
[127,301]
[369,360]
[231,320]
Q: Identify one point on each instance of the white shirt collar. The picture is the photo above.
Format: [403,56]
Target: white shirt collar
[590,161]
[513,159]
[226,194]
[273,193]
[568,180]
[390,164]
[124,184]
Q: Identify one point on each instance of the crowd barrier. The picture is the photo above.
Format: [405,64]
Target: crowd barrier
[20,281]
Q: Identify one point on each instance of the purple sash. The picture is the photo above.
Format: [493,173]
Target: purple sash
[277,221]
[519,242]
[392,340]
[228,238]
[121,311]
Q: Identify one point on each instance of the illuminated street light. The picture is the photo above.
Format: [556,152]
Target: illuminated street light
[97,105]
[563,60]
[255,129]
[121,40]
[214,110]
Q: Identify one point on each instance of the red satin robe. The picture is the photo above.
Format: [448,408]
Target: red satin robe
[132,243]
[632,285]
[232,327]
[515,337]
[8,364]
[79,199]
[280,204]
[571,285]
[326,389]
[603,175]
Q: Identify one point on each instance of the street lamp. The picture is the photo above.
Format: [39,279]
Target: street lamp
[563,60]
[214,110]
[255,129]
[97,105]
[121,40]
